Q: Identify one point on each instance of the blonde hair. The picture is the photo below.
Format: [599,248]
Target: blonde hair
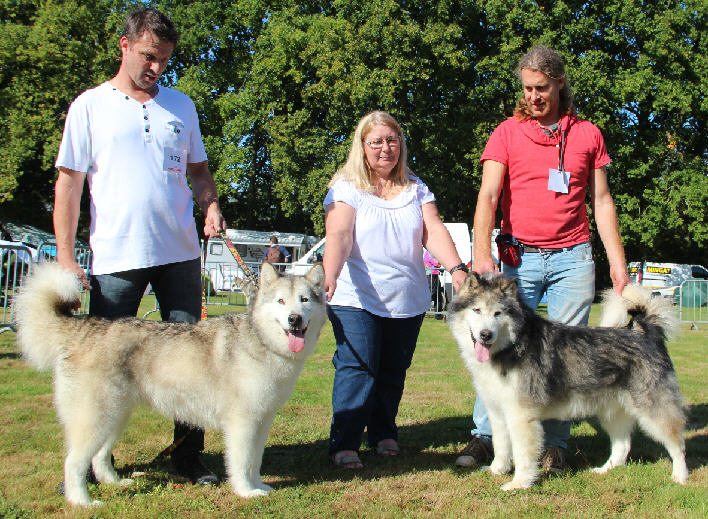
[549,62]
[357,169]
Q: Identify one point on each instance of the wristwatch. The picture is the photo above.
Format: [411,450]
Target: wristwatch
[461,266]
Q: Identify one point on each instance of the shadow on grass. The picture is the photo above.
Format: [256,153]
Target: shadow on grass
[10,355]
[586,451]
[429,446]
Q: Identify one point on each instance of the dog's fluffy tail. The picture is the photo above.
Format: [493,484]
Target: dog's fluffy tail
[47,295]
[638,303]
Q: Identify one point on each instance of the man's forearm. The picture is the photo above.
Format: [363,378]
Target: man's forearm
[67,199]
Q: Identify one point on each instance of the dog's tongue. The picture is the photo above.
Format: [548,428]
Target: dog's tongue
[481,352]
[296,341]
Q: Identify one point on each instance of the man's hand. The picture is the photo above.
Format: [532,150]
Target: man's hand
[620,278]
[485,265]
[75,268]
[214,222]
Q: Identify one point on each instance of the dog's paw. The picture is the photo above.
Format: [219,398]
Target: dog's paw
[256,492]
[265,488]
[680,476]
[515,485]
[600,470]
[498,468]
[126,482]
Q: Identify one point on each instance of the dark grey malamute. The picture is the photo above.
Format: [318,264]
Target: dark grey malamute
[527,369]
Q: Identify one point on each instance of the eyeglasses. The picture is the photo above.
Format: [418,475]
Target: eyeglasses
[378,143]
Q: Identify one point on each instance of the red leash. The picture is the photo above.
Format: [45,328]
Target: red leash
[249,273]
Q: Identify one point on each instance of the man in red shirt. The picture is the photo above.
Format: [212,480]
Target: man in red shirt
[541,161]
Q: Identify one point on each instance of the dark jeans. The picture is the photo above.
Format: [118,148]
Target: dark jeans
[178,288]
[373,354]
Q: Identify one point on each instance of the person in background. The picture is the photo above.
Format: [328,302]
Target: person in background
[276,253]
[378,218]
[437,293]
[4,233]
[138,143]
[541,161]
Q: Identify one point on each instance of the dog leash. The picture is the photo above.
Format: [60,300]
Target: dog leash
[168,450]
[249,273]
[246,270]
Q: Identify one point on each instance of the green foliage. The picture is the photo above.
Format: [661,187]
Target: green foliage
[280,86]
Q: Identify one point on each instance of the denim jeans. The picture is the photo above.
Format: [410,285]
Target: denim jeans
[178,288]
[373,354]
[568,279]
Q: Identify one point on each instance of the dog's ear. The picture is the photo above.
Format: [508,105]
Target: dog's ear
[471,281]
[509,286]
[316,274]
[268,272]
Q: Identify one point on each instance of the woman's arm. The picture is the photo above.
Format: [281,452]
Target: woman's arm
[438,241]
[339,231]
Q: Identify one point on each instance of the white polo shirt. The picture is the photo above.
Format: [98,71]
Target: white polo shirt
[135,156]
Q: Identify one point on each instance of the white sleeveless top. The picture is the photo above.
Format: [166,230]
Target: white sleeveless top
[384,274]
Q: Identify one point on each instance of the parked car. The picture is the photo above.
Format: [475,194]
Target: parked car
[301,266]
[664,278]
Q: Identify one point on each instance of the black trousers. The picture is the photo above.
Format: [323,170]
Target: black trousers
[178,288]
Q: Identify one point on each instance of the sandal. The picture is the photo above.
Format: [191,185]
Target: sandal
[388,448]
[347,461]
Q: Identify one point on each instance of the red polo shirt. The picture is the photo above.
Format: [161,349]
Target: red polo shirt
[530,211]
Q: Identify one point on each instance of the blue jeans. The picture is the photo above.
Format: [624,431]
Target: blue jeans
[568,279]
[373,354]
[178,289]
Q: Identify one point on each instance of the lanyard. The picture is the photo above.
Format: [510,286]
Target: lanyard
[562,150]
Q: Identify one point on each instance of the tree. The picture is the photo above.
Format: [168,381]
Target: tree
[50,52]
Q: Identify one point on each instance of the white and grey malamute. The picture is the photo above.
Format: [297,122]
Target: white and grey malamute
[230,373]
[527,369]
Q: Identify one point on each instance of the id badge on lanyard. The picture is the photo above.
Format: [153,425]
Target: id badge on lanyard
[559,179]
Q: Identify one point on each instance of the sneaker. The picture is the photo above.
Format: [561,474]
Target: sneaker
[553,460]
[477,452]
[192,468]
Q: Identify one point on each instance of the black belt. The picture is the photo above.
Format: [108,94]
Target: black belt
[543,250]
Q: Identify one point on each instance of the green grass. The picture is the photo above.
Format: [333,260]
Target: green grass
[434,422]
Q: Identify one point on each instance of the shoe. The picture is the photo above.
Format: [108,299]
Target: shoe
[478,452]
[192,468]
[553,460]
[347,461]
[388,447]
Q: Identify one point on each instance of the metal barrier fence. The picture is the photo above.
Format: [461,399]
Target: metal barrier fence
[16,262]
[440,294]
[693,302]
[221,287]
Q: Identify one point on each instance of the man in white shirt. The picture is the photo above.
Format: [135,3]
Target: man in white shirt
[137,143]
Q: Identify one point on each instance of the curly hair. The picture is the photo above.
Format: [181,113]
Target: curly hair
[549,62]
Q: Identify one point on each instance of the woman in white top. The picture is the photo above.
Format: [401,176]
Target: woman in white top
[378,218]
